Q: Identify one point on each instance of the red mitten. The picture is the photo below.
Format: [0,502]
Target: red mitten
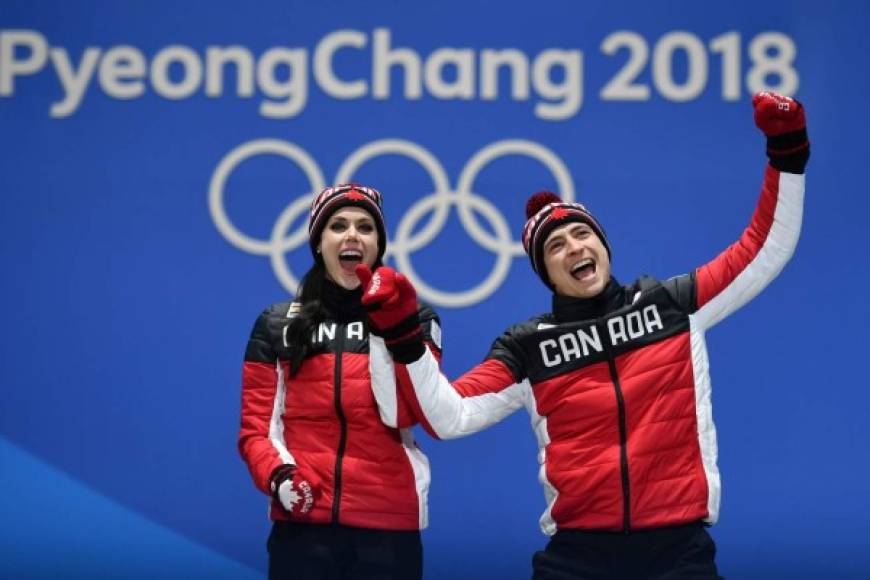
[776,114]
[391,303]
[783,121]
[292,491]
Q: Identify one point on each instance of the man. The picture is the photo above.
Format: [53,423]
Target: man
[615,378]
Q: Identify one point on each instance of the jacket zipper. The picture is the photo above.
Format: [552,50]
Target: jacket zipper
[623,446]
[342,442]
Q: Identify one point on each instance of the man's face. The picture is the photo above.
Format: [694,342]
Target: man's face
[576,261]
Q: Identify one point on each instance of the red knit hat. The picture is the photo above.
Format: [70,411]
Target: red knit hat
[545,212]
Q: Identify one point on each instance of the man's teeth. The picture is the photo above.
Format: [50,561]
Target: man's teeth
[582,264]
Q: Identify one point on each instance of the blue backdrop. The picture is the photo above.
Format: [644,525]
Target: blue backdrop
[155,160]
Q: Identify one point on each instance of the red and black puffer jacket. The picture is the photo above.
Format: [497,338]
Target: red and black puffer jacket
[325,420]
[618,387]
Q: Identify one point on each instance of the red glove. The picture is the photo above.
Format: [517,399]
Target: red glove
[776,114]
[391,303]
[783,121]
[292,491]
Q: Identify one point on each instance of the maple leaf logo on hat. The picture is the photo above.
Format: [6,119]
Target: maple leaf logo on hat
[355,195]
[559,213]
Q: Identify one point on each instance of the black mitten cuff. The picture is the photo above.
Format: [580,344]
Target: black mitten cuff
[408,351]
[789,152]
[404,327]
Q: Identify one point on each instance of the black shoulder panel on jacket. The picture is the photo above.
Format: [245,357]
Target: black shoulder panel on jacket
[267,334]
[682,290]
[507,347]
[431,324]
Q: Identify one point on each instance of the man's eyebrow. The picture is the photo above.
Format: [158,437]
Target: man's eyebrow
[554,238]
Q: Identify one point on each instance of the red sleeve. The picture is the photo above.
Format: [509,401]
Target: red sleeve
[490,376]
[260,444]
[747,266]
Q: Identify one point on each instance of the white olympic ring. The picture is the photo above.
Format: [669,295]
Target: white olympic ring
[438,201]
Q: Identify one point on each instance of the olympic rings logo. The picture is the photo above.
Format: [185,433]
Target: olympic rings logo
[405,243]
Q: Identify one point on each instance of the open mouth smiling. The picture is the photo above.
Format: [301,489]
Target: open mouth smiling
[350,257]
[583,269]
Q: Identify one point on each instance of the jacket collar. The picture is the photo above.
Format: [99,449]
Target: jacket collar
[342,304]
[570,309]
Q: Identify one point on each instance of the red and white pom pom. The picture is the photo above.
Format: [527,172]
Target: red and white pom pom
[539,200]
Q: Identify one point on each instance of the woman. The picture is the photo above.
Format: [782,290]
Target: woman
[615,378]
[348,492]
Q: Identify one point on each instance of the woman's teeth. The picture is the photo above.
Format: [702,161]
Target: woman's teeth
[350,256]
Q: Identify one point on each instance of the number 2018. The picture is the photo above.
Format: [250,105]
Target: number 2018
[771,54]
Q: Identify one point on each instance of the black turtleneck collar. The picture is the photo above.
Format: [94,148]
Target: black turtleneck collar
[570,309]
[343,304]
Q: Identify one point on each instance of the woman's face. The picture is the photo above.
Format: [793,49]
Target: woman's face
[349,238]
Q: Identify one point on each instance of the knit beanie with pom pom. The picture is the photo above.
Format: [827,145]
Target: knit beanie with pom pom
[545,211]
